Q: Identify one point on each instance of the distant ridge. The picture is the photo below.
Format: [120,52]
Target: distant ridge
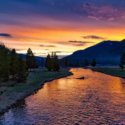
[105,52]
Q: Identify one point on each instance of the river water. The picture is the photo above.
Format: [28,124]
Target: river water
[98,99]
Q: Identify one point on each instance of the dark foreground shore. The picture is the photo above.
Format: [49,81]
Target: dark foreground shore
[13,94]
[114,71]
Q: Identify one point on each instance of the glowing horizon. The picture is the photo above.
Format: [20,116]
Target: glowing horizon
[64,27]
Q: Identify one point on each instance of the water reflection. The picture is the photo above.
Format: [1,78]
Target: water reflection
[98,99]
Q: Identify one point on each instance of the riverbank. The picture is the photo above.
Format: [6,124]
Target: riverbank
[114,71]
[12,94]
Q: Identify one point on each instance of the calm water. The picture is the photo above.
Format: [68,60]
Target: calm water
[98,99]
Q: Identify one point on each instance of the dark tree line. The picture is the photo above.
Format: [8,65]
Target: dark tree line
[22,72]
[76,62]
[14,67]
[4,63]
[30,60]
[52,62]
[122,61]
[93,63]
[85,63]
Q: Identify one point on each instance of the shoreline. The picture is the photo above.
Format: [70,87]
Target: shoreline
[113,71]
[29,92]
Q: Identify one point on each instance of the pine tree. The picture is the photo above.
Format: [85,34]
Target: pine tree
[93,63]
[85,63]
[4,63]
[22,71]
[56,64]
[48,63]
[66,62]
[33,63]
[30,60]
[13,63]
[122,61]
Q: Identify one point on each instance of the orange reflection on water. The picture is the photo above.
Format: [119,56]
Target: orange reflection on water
[98,99]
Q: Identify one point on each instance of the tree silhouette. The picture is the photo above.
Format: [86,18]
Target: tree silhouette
[13,63]
[56,64]
[122,61]
[34,64]
[52,62]
[22,71]
[4,63]
[66,62]
[85,63]
[48,63]
[30,60]
[93,63]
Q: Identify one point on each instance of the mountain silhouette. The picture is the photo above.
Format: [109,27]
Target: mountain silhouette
[105,52]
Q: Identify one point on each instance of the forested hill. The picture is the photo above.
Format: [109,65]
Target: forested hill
[106,52]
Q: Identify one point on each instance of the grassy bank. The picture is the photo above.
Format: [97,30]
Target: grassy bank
[111,71]
[20,90]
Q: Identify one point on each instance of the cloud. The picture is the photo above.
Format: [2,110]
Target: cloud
[106,12]
[80,42]
[62,51]
[20,49]
[93,37]
[54,9]
[110,19]
[47,45]
[5,35]
[87,5]
[33,12]
[21,11]
[93,17]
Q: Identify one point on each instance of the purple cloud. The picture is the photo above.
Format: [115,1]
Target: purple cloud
[80,42]
[93,37]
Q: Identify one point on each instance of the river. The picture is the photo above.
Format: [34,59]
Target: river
[97,99]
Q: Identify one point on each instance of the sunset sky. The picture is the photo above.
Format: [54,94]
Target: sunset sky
[63,26]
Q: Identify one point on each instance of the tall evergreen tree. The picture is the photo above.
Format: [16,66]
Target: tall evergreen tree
[85,63]
[13,63]
[22,71]
[56,64]
[30,60]
[66,62]
[48,63]
[122,61]
[34,64]
[4,63]
[93,63]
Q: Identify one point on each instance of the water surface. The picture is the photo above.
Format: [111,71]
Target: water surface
[98,99]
